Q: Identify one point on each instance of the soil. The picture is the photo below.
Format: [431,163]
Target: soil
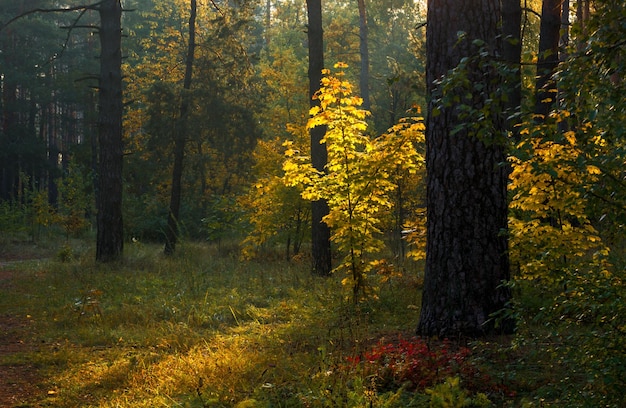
[18,379]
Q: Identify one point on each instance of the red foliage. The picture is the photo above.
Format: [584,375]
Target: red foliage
[418,365]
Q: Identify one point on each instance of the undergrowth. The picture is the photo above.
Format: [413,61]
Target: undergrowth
[203,329]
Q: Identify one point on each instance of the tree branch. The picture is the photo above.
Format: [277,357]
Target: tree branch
[217,8]
[83,7]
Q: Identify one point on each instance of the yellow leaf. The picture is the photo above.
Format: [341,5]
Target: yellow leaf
[593,170]
[571,137]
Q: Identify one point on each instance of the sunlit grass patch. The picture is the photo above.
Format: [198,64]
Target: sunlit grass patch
[202,329]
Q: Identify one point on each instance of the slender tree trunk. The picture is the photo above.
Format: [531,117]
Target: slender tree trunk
[110,242]
[180,140]
[582,16]
[365,57]
[549,36]
[320,232]
[268,22]
[512,53]
[466,254]
[565,24]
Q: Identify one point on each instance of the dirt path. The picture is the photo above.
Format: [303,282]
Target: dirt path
[18,379]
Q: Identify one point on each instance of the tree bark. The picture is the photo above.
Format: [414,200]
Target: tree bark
[320,232]
[549,36]
[268,22]
[171,236]
[110,241]
[365,58]
[512,54]
[466,254]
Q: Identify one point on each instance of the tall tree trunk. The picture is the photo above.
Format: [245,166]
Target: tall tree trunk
[110,242]
[512,53]
[365,57]
[549,36]
[582,16]
[268,22]
[565,24]
[180,140]
[466,254]
[320,232]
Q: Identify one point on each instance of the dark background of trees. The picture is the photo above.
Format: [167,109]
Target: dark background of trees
[50,105]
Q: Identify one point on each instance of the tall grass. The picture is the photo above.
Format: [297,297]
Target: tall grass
[198,329]
[203,329]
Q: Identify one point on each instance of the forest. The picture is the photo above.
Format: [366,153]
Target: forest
[298,203]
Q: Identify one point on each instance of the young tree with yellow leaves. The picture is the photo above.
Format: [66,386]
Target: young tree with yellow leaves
[358,183]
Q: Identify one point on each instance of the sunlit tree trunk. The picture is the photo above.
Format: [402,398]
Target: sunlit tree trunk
[110,241]
[466,254]
[320,233]
[365,57]
[172,232]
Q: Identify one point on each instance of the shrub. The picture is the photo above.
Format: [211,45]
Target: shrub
[412,361]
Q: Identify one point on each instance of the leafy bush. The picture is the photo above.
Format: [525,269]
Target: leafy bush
[413,363]
[450,395]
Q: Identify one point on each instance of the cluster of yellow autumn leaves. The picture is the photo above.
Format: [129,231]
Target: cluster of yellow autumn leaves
[548,227]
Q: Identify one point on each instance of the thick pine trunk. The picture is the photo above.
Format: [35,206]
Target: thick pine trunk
[466,254]
[320,233]
[171,236]
[110,241]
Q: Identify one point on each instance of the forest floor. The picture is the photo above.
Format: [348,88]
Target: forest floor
[18,379]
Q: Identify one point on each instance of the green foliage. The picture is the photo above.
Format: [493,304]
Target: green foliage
[222,219]
[43,213]
[12,217]
[192,330]
[222,125]
[479,101]
[450,395]
[568,208]
[359,178]
[276,212]
[74,201]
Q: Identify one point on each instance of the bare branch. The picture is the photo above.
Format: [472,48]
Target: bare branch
[83,7]
[69,33]
[87,78]
[218,8]
[531,11]
[91,27]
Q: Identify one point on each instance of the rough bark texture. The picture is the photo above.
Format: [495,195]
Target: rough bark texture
[171,236]
[466,254]
[320,233]
[110,241]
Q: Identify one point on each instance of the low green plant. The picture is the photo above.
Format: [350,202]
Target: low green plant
[449,394]
[202,328]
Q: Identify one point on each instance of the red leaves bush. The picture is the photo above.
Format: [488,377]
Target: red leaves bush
[413,363]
